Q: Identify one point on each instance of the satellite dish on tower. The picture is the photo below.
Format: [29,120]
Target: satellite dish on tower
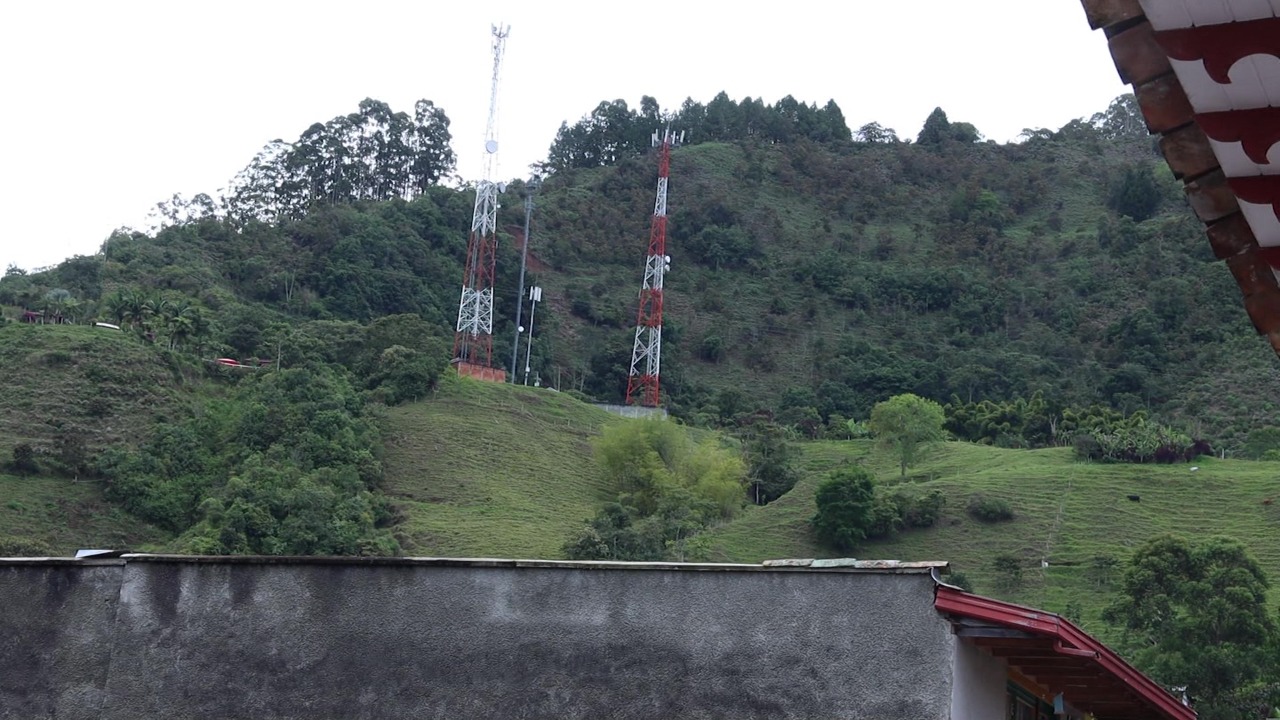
[491,146]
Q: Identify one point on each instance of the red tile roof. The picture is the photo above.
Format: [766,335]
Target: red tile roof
[1207,77]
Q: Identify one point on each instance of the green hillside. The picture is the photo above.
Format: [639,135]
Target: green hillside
[527,481]
[102,386]
[71,392]
[57,516]
[1067,513]
[482,470]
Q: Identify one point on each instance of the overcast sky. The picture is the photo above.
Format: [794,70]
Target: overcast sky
[109,107]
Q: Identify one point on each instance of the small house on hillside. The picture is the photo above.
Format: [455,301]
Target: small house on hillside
[175,636]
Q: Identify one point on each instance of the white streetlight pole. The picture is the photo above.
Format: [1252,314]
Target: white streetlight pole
[535,295]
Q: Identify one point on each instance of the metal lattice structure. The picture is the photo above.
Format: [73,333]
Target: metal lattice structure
[473,340]
[646,353]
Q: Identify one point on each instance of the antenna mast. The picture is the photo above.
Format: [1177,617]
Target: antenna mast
[473,340]
[646,354]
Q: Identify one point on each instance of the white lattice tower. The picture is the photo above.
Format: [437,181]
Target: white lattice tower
[473,339]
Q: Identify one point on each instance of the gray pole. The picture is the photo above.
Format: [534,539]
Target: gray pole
[524,256]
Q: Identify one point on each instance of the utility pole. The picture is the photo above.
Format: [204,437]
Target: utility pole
[529,189]
[535,296]
[473,338]
[646,353]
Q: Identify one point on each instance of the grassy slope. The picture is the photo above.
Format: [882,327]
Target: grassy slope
[64,516]
[493,470]
[105,385]
[52,375]
[487,470]
[1066,513]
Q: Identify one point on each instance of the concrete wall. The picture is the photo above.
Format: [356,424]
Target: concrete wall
[979,690]
[633,411]
[215,638]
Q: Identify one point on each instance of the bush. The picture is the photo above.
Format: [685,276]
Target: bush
[23,547]
[961,581]
[57,358]
[1008,567]
[24,459]
[845,503]
[921,511]
[886,518]
[989,510]
[712,349]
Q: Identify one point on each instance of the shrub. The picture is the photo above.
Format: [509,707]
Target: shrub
[23,547]
[921,511]
[24,459]
[1008,567]
[57,358]
[98,407]
[989,510]
[886,518]
[961,581]
[712,349]
[845,503]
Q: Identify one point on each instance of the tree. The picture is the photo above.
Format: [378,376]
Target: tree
[1260,441]
[874,132]
[1134,193]
[770,459]
[1122,119]
[907,424]
[936,130]
[845,501]
[1196,615]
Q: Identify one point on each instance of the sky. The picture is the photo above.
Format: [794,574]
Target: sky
[110,107]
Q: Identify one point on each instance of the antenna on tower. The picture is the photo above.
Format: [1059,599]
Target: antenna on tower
[646,353]
[473,338]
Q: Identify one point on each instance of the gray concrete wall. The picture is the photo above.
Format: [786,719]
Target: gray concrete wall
[218,638]
[633,411]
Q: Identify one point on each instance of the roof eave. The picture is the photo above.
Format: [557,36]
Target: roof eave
[951,601]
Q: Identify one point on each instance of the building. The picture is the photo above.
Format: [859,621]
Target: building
[176,636]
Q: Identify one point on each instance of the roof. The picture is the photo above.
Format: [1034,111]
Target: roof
[1206,74]
[1058,655]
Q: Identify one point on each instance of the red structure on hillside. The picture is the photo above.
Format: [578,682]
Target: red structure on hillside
[646,353]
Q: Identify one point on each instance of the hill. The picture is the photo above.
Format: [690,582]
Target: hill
[482,470]
[815,272]
[70,393]
[1068,514]
[810,278]
[103,386]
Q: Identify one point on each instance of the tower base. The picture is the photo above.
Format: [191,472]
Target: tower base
[480,372]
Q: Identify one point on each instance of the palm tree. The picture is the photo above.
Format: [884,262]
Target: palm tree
[117,306]
[179,322]
[55,303]
[134,310]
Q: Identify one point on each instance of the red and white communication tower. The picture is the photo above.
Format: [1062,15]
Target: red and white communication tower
[473,340]
[646,354]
